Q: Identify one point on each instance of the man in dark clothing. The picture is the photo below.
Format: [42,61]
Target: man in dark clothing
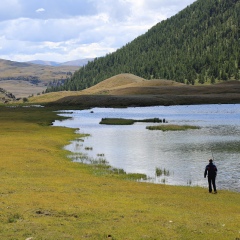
[211,172]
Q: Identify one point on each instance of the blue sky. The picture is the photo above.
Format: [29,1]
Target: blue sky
[65,30]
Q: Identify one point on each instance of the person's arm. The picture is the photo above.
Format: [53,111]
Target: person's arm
[205,173]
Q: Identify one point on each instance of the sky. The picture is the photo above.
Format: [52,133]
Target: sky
[66,30]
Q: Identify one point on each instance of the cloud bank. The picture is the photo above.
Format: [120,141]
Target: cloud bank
[66,30]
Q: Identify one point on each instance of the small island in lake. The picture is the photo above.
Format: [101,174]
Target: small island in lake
[172,127]
[123,121]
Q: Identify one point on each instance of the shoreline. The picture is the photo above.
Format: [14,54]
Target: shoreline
[92,156]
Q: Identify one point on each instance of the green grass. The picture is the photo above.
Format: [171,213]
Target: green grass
[44,195]
[172,127]
[160,172]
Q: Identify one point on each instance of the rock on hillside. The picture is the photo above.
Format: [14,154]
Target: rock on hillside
[6,97]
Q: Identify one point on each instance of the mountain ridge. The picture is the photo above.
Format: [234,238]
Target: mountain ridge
[78,62]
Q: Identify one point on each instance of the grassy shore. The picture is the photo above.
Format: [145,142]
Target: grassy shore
[43,195]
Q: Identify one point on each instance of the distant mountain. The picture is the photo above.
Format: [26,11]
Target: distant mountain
[24,79]
[10,70]
[199,44]
[78,63]
[45,63]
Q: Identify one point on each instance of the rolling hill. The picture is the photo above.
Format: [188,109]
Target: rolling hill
[122,84]
[199,44]
[127,84]
[25,79]
[11,70]
[125,90]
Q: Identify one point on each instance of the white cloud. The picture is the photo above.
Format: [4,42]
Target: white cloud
[40,10]
[73,29]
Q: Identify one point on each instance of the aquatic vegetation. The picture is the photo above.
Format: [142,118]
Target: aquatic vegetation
[123,121]
[172,127]
[159,172]
[88,148]
[100,154]
[189,182]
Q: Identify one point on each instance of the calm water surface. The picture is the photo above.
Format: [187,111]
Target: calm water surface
[184,154]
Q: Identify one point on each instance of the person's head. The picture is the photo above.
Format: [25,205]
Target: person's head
[210,160]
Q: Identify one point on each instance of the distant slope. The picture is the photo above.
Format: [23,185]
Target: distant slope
[45,63]
[200,43]
[77,63]
[22,89]
[10,70]
[122,84]
[25,79]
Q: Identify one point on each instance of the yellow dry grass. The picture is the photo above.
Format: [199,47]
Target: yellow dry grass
[126,81]
[43,195]
[116,85]
[53,96]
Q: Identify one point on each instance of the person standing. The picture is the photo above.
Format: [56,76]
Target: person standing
[211,172]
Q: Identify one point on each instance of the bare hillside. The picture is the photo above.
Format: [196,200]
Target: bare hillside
[12,70]
[124,83]
[121,84]
[26,79]
[115,82]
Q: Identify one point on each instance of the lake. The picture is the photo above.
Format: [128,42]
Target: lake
[182,155]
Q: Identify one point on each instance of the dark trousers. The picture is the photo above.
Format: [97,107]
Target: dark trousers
[211,183]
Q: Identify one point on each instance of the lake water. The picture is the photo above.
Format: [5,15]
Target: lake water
[183,154]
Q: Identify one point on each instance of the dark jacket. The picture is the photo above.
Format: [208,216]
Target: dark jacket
[210,170]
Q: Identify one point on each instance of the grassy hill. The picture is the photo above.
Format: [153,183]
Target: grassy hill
[124,84]
[129,90]
[121,84]
[199,44]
